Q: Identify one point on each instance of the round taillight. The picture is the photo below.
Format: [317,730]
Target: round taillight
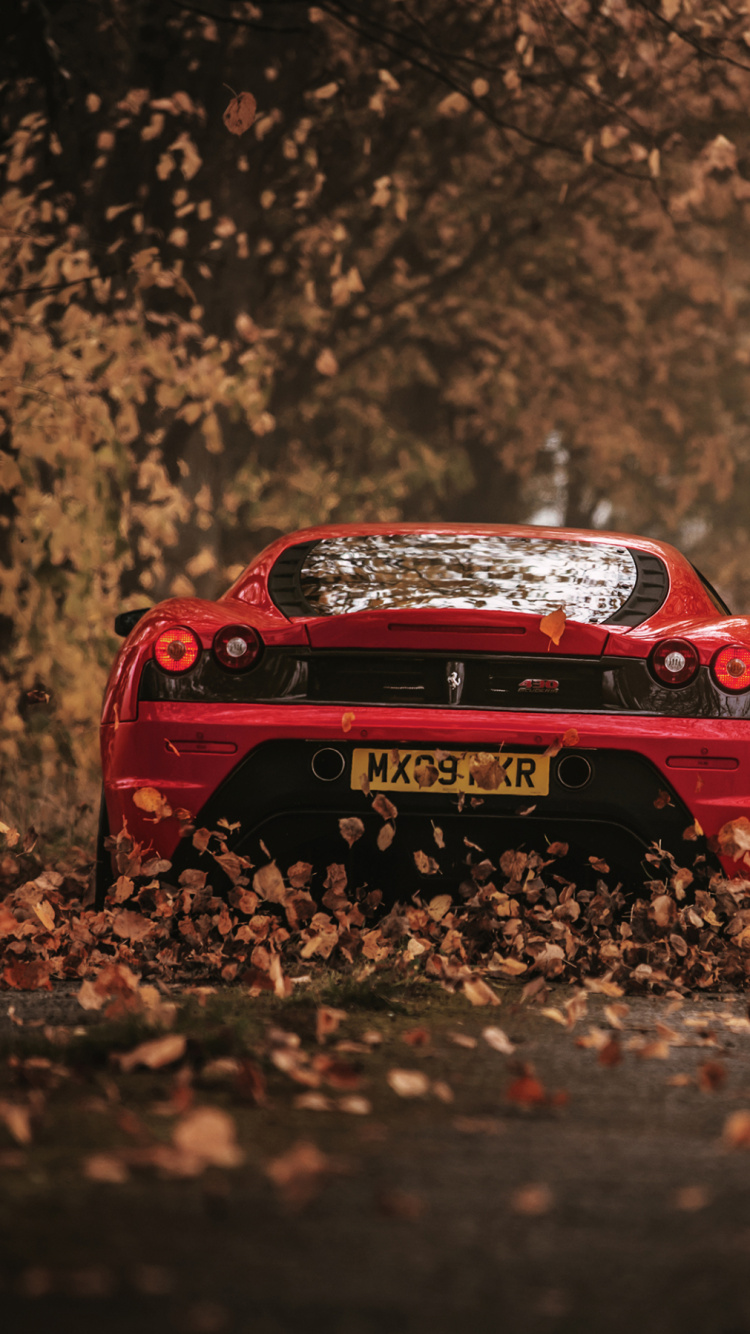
[237,647]
[177,649]
[731,668]
[674,662]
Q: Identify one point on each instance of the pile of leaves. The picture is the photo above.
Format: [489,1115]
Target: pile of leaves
[519,920]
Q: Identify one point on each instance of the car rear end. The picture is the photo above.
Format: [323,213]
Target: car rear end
[437,711]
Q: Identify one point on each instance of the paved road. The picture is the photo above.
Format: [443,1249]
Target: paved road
[621,1210]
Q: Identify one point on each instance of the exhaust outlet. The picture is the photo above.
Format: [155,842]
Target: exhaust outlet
[328,764]
[574,771]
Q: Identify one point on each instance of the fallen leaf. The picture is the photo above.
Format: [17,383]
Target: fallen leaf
[299,1172]
[17,1120]
[498,1040]
[526,1091]
[240,113]
[384,807]
[712,1076]
[268,883]
[355,1105]
[532,1200]
[463,1040]
[351,828]
[611,1053]
[478,991]
[106,1167]
[207,1137]
[736,1134]
[327,1021]
[28,976]
[386,835]
[150,799]
[155,1053]
[408,1083]
[690,1199]
[424,864]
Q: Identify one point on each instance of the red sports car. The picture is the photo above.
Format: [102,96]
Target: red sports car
[457,690]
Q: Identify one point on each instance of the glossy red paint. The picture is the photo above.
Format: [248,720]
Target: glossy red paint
[205,743]
[136,754]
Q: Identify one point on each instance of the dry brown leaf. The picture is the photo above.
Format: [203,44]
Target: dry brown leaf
[46,914]
[268,883]
[498,1040]
[153,801]
[424,864]
[133,926]
[384,807]
[736,1133]
[106,1167]
[17,1120]
[240,113]
[533,1200]
[354,1105]
[207,1137]
[155,1053]
[439,906]
[712,1076]
[327,1021]
[611,1053]
[478,991]
[386,835]
[351,828]
[299,1173]
[408,1083]
[526,1091]
[734,837]
[689,1199]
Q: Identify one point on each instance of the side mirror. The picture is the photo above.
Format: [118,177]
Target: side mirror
[125,622]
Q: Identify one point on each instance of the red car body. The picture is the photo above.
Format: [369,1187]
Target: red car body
[661,754]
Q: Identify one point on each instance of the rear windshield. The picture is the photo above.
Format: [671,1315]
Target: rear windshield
[591,581]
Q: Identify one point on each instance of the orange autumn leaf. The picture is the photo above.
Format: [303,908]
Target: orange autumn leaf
[152,801]
[553,625]
[240,113]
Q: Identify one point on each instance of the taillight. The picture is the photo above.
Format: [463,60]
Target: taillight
[731,667]
[176,649]
[674,662]
[237,647]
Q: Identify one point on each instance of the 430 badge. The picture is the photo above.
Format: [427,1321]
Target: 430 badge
[488,772]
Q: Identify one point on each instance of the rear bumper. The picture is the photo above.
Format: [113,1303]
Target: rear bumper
[206,759]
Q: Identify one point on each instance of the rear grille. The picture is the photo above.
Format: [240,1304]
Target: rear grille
[488,682]
[547,682]
[367,679]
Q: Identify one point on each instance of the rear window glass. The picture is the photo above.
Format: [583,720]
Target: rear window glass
[591,581]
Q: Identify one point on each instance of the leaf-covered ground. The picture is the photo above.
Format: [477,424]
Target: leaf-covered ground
[396,1102]
[685,928]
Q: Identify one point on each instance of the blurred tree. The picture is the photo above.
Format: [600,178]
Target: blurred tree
[452,231]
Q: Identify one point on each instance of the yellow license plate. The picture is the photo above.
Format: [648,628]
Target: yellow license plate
[481,773]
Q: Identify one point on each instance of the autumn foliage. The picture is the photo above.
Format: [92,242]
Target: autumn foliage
[252,278]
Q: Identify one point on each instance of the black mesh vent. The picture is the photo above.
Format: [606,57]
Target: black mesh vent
[651,588]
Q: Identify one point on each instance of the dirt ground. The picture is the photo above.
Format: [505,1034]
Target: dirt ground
[612,1202]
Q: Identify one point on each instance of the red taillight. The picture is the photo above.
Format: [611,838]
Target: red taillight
[237,647]
[674,662]
[176,649]
[731,667]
